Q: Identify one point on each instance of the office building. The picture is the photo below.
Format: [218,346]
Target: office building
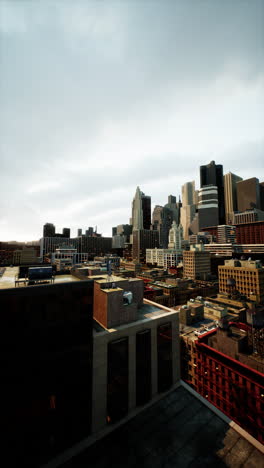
[174,207]
[208,207]
[226,234]
[212,174]
[49,230]
[196,263]
[46,366]
[143,239]
[250,233]
[66,232]
[248,194]
[141,211]
[175,237]
[79,232]
[249,216]
[25,256]
[244,276]
[137,361]
[188,210]
[230,188]
[161,221]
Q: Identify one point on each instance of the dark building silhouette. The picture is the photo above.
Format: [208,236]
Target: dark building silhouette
[66,232]
[143,239]
[212,174]
[248,194]
[162,219]
[46,369]
[146,208]
[49,230]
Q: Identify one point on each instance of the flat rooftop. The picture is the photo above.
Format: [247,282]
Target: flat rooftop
[178,431]
[7,281]
[145,312]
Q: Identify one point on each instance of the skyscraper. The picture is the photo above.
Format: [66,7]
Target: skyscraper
[162,218]
[212,174]
[141,211]
[174,207]
[48,230]
[208,207]
[188,209]
[66,232]
[248,194]
[230,187]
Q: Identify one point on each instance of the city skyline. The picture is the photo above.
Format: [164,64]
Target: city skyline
[98,99]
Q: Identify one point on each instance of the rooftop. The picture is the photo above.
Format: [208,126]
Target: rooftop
[148,311]
[7,281]
[177,431]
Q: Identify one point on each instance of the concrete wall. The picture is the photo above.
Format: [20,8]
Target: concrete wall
[100,347]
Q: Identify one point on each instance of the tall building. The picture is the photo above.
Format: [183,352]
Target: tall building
[46,368]
[212,174]
[79,232]
[66,232]
[176,237]
[143,239]
[48,230]
[188,209]
[174,207]
[230,187]
[196,263]
[208,207]
[141,211]
[162,218]
[248,194]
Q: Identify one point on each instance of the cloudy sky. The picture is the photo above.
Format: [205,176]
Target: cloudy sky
[99,97]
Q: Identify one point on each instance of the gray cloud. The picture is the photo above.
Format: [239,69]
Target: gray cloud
[148,86]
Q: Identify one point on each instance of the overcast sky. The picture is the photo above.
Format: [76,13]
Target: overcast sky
[99,97]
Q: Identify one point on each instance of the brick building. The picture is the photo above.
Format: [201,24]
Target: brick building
[247,278]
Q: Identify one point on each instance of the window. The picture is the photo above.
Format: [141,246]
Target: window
[164,351]
[143,367]
[117,380]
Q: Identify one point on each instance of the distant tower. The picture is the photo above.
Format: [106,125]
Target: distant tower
[66,232]
[48,230]
[79,232]
[230,186]
[188,209]
[212,174]
[141,211]
[176,237]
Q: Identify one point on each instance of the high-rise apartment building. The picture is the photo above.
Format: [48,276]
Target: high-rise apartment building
[248,194]
[49,230]
[141,211]
[208,207]
[212,174]
[230,186]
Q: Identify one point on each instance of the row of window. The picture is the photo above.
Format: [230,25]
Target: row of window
[118,372]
